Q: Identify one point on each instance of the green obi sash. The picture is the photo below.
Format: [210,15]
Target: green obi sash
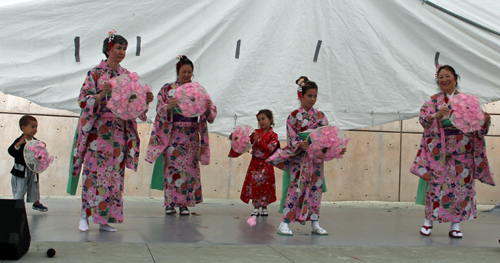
[286,178]
[446,123]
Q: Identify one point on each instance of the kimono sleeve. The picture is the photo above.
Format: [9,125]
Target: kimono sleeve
[292,137]
[323,121]
[161,126]
[428,116]
[88,93]
[213,114]
[268,145]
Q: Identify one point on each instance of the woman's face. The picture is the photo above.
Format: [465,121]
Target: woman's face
[185,74]
[117,53]
[309,99]
[447,82]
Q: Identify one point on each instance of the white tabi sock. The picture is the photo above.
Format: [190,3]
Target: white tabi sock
[106,227]
[84,225]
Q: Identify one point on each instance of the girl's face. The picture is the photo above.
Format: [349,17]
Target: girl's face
[447,82]
[264,122]
[117,53]
[185,74]
[309,99]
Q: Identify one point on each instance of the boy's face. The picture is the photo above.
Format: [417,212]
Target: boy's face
[30,129]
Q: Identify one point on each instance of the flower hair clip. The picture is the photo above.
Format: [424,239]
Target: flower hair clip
[301,84]
[111,35]
[111,38]
[437,70]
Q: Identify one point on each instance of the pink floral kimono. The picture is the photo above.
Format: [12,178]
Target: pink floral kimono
[260,183]
[305,189]
[184,143]
[453,160]
[104,145]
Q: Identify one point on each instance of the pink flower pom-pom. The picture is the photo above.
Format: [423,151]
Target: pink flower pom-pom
[113,83]
[326,144]
[41,155]
[466,114]
[252,221]
[192,99]
[241,141]
[129,97]
[133,76]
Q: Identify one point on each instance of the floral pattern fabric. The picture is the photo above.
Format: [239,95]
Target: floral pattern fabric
[453,160]
[260,183]
[184,144]
[304,193]
[104,145]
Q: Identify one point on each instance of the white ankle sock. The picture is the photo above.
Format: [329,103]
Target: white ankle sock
[106,227]
[427,222]
[455,226]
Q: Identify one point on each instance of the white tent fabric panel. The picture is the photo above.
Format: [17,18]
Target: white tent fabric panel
[375,65]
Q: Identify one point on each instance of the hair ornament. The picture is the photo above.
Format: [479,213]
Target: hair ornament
[437,70]
[301,84]
[179,60]
[111,38]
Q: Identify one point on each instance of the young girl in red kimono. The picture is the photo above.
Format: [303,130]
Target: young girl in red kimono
[260,185]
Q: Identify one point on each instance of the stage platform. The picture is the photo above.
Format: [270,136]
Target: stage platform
[216,231]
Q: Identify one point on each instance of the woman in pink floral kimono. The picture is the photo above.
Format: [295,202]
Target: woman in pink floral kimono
[449,160]
[104,144]
[303,179]
[183,143]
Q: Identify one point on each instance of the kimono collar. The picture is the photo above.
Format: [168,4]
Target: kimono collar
[447,97]
[311,110]
[177,83]
[104,65]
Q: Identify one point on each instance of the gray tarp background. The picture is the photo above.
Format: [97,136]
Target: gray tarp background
[375,65]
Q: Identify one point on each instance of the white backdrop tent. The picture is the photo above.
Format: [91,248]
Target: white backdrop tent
[375,64]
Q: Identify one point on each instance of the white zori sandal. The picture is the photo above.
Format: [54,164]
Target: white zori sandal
[264,212]
[284,230]
[255,212]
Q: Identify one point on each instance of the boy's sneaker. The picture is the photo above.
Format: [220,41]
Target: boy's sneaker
[40,208]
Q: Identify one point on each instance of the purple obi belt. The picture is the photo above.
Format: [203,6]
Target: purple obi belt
[180,118]
[451,130]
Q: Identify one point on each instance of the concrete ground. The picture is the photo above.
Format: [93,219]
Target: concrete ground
[217,231]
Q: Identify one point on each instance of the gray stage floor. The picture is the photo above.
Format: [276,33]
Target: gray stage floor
[218,232]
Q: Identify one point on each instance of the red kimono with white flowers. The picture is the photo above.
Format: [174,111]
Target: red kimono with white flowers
[260,184]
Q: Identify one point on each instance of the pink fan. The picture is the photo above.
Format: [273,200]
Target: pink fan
[241,141]
[128,97]
[36,156]
[466,113]
[252,221]
[192,98]
[327,143]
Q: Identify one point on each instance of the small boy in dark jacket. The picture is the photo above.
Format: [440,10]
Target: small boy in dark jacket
[24,181]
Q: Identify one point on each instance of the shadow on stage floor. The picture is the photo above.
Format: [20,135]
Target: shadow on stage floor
[224,222]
